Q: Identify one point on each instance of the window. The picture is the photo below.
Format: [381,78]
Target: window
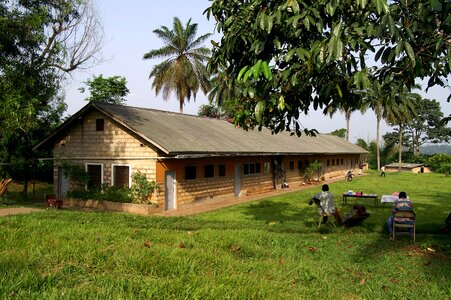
[338,162]
[251,168]
[190,172]
[342,161]
[95,172]
[121,176]
[328,162]
[299,164]
[306,163]
[291,164]
[222,170]
[333,162]
[100,124]
[209,171]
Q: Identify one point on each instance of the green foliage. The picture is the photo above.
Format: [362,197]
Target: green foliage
[76,172]
[361,143]
[209,111]
[439,162]
[112,90]
[313,171]
[39,44]
[290,56]
[104,193]
[142,188]
[425,126]
[341,133]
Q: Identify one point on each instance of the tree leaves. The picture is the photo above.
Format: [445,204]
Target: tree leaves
[294,56]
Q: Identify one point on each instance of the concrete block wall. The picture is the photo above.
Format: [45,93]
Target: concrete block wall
[82,145]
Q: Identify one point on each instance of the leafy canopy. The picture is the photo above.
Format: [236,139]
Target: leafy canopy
[112,90]
[295,55]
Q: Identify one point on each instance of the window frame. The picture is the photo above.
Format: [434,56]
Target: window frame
[251,169]
[113,173]
[101,172]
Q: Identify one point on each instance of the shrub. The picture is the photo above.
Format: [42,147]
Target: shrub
[313,171]
[438,162]
[142,188]
[104,193]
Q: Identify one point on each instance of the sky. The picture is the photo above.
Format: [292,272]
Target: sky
[128,28]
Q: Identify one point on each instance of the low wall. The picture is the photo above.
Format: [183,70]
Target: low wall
[139,209]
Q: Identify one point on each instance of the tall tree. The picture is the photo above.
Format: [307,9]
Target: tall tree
[400,110]
[289,54]
[425,127]
[112,90]
[183,70]
[41,41]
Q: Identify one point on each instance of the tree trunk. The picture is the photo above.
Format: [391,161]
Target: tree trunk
[181,106]
[348,120]
[400,148]
[378,143]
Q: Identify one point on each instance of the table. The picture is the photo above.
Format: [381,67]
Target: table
[389,199]
[360,196]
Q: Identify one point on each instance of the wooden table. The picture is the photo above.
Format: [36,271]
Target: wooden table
[358,196]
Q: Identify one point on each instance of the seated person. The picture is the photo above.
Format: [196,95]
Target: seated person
[325,202]
[356,216]
[402,204]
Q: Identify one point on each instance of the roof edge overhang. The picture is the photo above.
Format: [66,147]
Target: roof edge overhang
[185,155]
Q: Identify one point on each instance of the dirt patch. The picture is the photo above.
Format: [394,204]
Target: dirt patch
[17,210]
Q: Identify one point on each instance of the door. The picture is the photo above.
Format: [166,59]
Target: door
[169,195]
[63,184]
[237,180]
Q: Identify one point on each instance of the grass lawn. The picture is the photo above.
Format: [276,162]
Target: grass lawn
[269,249]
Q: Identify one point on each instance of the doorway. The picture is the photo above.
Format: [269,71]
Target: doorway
[169,195]
[63,184]
[237,180]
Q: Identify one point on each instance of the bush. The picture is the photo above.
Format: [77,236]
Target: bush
[142,188]
[105,193]
[439,162]
[313,171]
[140,192]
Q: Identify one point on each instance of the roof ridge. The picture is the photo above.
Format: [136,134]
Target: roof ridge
[156,110]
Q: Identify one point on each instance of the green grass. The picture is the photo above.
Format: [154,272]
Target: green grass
[269,249]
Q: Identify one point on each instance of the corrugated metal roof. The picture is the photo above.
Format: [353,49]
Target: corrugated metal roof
[181,134]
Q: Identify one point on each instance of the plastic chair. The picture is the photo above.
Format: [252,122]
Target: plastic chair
[404,220]
[52,202]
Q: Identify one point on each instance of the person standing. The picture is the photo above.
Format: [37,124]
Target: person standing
[360,168]
[383,171]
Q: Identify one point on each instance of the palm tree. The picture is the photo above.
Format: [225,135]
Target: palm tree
[375,99]
[183,70]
